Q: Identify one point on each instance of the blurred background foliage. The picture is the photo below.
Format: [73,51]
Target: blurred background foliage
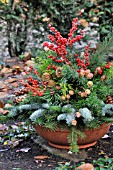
[20,15]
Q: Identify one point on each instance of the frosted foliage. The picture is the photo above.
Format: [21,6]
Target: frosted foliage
[107,109]
[86,114]
[62,116]
[36,114]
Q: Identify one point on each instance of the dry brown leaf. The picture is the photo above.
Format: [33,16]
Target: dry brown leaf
[1,104]
[85,166]
[11,80]
[27,56]
[0,66]
[29,63]
[15,84]
[4,90]
[2,85]
[3,128]
[40,157]
[11,60]
[1,110]
[83,22]
[3,94]
[101,152]
[6,70]
[17,69]
[5,112]
[23,150]
[8,105]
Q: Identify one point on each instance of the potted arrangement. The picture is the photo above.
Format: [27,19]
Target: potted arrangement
[69,100]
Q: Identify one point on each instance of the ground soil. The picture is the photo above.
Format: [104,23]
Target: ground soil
[11,159]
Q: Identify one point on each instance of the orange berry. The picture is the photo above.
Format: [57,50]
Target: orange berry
[90,83]
[68,96]
[89,76]
[71,92]
[87,91]
[63,97]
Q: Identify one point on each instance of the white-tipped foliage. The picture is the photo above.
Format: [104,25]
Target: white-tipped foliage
[86,114]
[66,116]
[20,109]
[62,116]
[68,108]
[69,119]
[36,114]
[45,106]
[13,113]
[107,109]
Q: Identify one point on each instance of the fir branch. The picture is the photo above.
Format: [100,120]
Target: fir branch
[73,138]
[105,46]
[100,56]
[107,119]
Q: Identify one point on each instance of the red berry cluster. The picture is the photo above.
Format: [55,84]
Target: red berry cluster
[33,85]
[51,66]
[83,62]
[108,65]
[59,44]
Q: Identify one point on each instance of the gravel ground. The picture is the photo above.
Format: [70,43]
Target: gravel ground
[13,158]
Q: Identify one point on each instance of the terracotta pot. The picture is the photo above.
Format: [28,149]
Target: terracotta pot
[58,138]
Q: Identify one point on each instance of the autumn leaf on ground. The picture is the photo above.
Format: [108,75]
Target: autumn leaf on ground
[23,150]
[102,152]
[5,112]
[5,70]
[3,85]
[1,104]
[41,157]
[3,128]
[3,94]
[11,80]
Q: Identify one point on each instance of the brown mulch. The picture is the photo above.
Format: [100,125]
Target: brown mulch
[13,158]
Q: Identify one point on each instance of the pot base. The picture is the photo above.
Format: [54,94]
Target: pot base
[67,147]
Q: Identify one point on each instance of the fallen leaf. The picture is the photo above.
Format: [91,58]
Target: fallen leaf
[11,80]
[102,152]
[6,143]
[14,143]
[3,150]
[27,56]
[105,136]
[23,150]
[85,166]
[11,60]
[50,165]
[8,105]
[5,112]
[3,94]
[4,90]
[14,84]
[6,70]
[1,104]
[14,127]
[26,68]
[0,66]
[2,85]
[3,128]
[29,63]
[1,110]
[40,157]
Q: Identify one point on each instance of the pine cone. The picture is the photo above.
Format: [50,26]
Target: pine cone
[46,77]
